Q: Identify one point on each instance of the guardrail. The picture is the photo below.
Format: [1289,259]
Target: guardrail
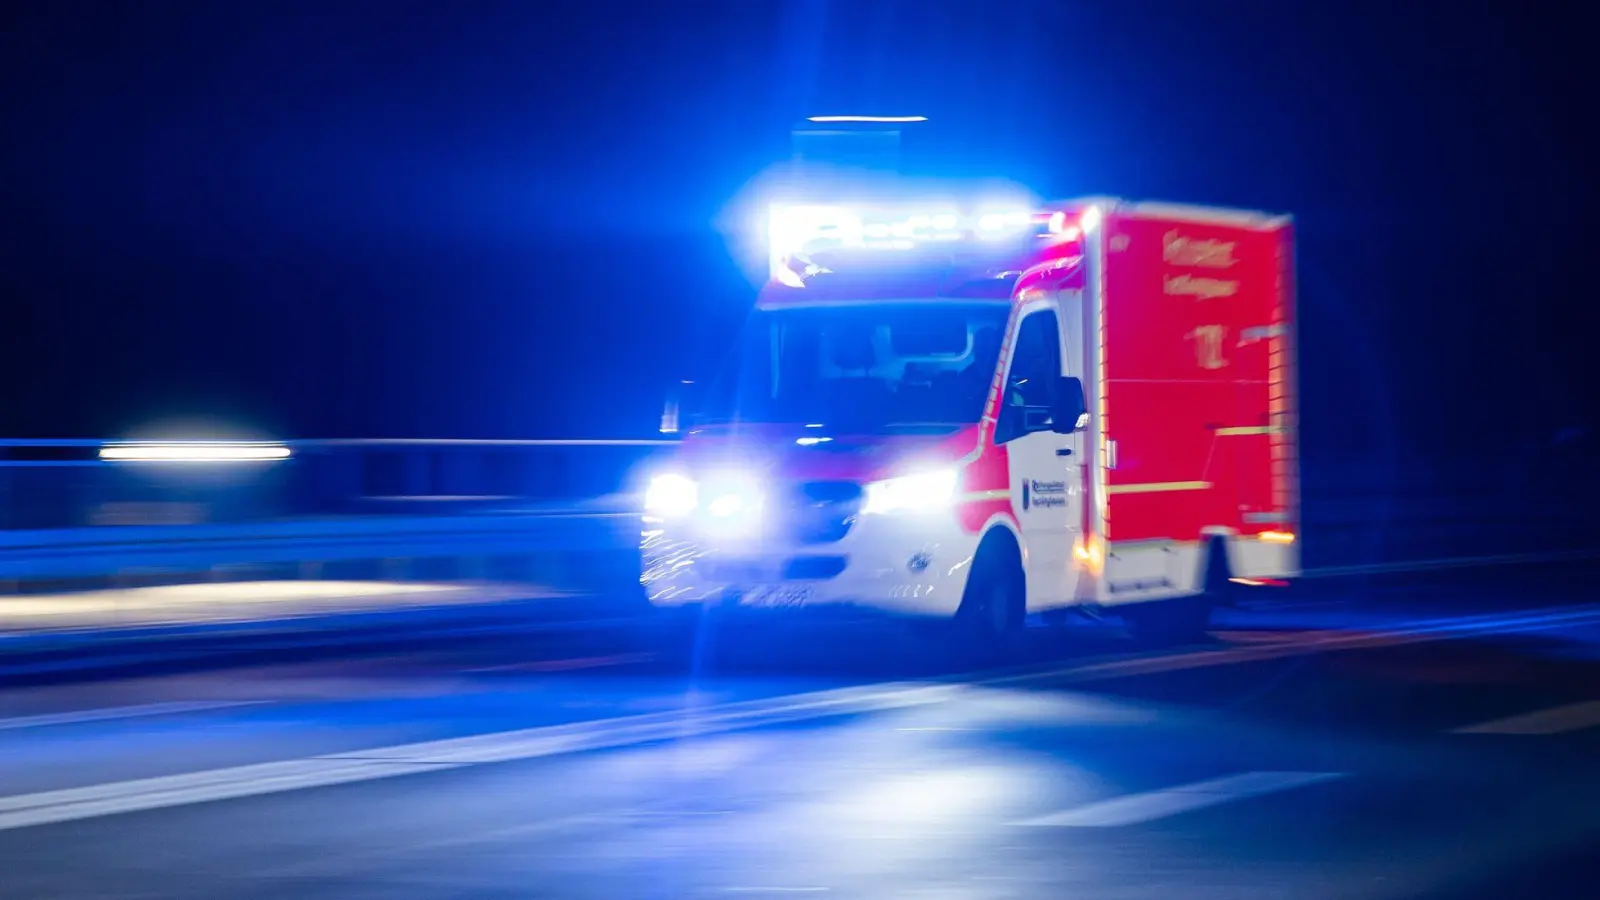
[415,508]
[552,547]
[587,547]
[66,483]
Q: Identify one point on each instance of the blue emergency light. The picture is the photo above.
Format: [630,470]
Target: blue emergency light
[799,236]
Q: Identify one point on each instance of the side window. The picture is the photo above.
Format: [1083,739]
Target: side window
[1035,361]
[1035,367]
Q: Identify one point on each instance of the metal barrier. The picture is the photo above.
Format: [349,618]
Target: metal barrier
[67,484]
[449,506]
[590,549]
[386,476]
[532,545]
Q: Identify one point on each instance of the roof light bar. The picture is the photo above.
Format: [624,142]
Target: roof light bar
[796,234]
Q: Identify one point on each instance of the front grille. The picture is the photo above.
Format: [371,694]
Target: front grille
[813,568]
[819,512]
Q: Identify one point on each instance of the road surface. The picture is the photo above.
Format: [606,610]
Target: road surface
[1305,754]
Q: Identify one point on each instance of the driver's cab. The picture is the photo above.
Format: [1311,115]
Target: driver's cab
[1040,421]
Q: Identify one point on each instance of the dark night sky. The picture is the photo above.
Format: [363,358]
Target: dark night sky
[497,219]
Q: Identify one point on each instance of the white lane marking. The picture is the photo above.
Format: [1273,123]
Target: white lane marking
[121,712]
[1572,717]
[563,665]
[26,810]
[632,730]
[178,790]
[1133,809]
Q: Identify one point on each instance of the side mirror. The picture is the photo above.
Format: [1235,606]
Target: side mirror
[679,406]
[1071,413]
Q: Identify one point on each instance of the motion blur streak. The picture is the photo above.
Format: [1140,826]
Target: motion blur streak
[198,452]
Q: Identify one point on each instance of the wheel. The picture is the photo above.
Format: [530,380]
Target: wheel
[994,604]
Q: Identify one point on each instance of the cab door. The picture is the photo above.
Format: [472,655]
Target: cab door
[1044,464]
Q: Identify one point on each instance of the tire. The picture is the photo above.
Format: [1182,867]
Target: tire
[994,603]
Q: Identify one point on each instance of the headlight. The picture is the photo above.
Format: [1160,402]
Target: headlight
[731,495]
[671,496]
[923,491]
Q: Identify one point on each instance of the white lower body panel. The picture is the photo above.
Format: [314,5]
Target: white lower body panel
[1140,571]
[1254,558]
[912,564]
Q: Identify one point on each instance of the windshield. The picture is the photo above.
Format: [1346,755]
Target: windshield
[868,367]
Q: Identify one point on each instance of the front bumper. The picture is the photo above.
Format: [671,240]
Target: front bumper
[912,564]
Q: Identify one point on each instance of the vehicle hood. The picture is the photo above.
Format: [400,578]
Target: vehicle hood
[805,453]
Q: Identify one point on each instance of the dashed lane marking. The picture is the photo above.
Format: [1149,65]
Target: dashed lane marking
[26,810]
[1133,809]
[569,665]
[120,712]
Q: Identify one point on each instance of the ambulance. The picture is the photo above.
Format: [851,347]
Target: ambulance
[990,416]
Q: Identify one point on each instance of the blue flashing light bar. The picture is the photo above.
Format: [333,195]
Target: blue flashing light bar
[797,235]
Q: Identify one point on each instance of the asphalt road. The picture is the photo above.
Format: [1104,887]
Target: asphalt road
[1307,753]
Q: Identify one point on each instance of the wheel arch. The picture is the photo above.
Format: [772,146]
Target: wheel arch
[1002,527]
[999,545]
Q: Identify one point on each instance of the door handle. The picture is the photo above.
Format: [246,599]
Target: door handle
[1063,451]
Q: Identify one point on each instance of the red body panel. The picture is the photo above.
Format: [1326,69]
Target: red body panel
[991,471]
[1196,318]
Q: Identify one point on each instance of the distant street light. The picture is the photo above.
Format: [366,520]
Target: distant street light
[195,452]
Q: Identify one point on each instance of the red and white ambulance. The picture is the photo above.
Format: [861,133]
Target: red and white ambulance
[978,414]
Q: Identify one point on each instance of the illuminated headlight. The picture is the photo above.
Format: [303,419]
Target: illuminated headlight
[671,496]
[733,503]
[923,491]
[729,496]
